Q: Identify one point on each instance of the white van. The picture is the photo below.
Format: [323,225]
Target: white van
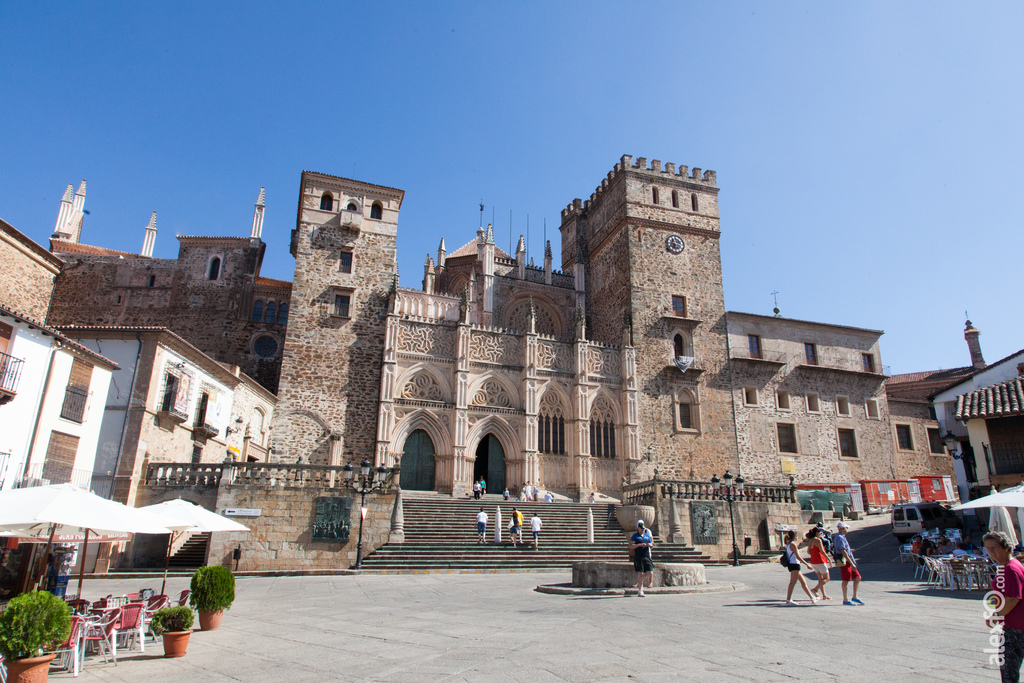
[913,518]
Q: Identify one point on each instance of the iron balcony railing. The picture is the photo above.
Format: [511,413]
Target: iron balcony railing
[46,473]
[10,372]
[74,403]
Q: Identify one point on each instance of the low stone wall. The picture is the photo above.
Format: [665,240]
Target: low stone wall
[690,521]
[282,536]
[623,574]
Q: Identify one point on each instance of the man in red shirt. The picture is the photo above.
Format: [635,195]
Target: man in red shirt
[1004,607]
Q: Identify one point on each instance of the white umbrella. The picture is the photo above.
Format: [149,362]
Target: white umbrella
[1010,498]
[65,512]
[198,519]
[1000,520]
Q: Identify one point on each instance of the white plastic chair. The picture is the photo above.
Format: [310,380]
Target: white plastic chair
[69,653]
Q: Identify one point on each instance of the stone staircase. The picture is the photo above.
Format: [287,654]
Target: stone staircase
[192,553]
[440,535]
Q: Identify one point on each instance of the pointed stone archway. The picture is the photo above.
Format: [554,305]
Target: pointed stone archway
[490,463]
[418,462]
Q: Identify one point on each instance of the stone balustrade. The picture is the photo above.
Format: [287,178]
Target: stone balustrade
[256,474]
[649,492]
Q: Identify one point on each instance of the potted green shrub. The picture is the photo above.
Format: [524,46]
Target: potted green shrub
[31,624]
[213,591]
[174,624]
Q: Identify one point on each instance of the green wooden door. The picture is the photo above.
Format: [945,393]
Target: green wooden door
[418,463]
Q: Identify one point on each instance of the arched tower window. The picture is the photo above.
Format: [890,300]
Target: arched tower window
[602,430]
[654,194]
[214,269]
[282,314]
[271,312]
[257,311]
[352,207]
[681,345]
[675,199]
[693,201]
[377,211]
[550,425]
[327,202]
[687,410]
[677,344]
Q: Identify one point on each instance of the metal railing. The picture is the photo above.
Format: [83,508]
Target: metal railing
[46,473]
[10,372]
[74,403]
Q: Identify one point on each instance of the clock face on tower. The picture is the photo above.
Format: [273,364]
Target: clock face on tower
[674,244]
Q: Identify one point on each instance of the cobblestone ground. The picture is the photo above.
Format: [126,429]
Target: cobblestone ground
[497,628]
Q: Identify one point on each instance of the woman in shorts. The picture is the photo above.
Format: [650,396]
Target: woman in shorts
[793,562]
[819,560]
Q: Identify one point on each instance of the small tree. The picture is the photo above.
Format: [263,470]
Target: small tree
[213,589]
[172,620]
[33,623]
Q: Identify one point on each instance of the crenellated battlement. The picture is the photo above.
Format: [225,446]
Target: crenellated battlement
[626,163]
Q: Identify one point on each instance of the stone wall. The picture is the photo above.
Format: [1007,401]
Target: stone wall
[755,520]
[29,272]
[920,460]
[100,287]
[330,378]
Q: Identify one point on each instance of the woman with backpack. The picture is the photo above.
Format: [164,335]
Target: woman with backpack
[819,560]
[792,560]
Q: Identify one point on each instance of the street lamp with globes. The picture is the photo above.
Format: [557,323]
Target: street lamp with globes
[731,494]
[369,480]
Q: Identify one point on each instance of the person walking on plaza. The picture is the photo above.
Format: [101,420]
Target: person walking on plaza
[476,490]
[848,567]
[1007,593]
[641,543]
[793,561]
[819,560]
[481,524]
[535,525]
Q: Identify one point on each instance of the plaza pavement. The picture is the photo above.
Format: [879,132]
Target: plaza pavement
[495,627]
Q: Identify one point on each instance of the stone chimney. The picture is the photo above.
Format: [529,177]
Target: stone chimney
[971,335]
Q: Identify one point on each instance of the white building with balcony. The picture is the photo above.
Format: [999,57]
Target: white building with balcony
[52,397]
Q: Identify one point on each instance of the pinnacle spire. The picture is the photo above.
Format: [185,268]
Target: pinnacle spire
[440,247]
[260,199]
[68,193]
[81,188]
[490,234]
[152,222]
[521,246]
[547,249]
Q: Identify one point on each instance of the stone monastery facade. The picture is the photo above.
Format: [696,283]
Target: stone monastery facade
[621,365]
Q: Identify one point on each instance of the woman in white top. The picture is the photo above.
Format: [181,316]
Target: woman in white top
[793,561]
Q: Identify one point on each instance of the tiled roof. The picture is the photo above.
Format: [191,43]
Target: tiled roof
[64,247]
[999,400]
[952,375]
[361,182]
[922,385]
[469,249]
[61,339]
[271,282]
[808,322]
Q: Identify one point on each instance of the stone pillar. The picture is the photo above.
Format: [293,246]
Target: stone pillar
[397,534]
[590,525]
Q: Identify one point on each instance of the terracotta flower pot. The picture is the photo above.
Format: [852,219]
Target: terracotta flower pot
[175,643]
[31,670]
[210,621]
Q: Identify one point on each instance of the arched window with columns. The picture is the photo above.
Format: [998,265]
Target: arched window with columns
[551,425]
[602,429]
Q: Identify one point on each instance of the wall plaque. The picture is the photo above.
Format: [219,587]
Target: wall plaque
[333,520]
[703,523]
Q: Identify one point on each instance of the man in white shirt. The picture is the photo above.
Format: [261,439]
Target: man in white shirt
[535,525]
[481,524]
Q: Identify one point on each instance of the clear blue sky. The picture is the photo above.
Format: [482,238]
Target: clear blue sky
[868,154]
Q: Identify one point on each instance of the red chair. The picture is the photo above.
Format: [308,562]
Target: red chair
[132,597]
[104,633]
[129,626]
[152,605]
[183,600]
[69,653]
[80,606]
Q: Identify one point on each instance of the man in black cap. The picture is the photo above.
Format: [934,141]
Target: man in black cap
[641,543]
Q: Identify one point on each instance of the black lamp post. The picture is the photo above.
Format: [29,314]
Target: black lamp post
[953,445]
[369,480]
[731,494]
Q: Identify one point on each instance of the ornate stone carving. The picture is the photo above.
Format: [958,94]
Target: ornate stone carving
[550,405]
[703,523]
[492,393]
[517,319]
[554,356]
[422,387]
[431,340]
[603,362]
[494,348]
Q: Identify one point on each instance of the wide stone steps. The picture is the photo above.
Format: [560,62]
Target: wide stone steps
[440,534]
